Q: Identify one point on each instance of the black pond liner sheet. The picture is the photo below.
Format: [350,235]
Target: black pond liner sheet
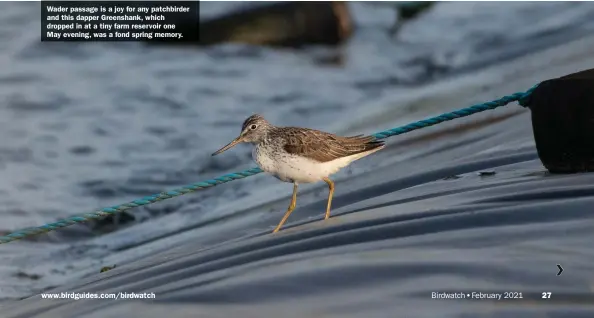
[477,214]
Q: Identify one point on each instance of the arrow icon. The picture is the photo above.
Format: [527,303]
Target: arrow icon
[560,269]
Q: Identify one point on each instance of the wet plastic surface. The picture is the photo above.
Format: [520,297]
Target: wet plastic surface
[476,212]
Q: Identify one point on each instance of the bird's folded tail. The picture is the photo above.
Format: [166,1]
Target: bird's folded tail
[361,143]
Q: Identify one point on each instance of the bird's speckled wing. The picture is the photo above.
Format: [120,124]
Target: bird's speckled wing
[322,146]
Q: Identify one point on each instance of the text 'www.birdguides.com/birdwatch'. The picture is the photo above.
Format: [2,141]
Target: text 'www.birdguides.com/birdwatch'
[78,296]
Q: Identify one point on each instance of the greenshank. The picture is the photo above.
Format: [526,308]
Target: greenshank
[301,155]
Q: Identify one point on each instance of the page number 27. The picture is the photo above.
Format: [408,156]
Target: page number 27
[546,295]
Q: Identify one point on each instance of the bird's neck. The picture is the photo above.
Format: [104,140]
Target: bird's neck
[269,133]
[266,138]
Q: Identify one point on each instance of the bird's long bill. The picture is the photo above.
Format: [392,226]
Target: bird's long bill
[229,145]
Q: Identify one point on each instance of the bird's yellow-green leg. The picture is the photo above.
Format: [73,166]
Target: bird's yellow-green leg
[289,210]
[330,194]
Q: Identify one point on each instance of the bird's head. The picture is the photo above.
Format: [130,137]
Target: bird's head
[254,129]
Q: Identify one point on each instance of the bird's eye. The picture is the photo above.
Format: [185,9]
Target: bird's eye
[253,126]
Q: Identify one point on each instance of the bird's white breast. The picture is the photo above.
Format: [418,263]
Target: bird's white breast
[293,168]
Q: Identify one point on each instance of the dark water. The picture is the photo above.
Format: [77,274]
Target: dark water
[85,126]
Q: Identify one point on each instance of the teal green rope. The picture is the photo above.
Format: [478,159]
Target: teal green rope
[522,98]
